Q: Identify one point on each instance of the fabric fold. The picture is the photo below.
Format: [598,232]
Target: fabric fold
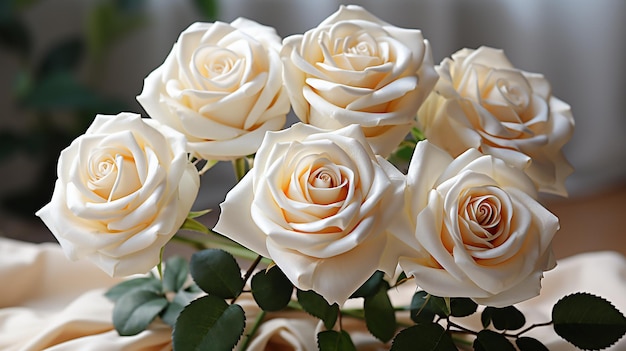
[50,303]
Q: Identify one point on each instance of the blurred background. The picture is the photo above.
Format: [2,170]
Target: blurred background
[63,61]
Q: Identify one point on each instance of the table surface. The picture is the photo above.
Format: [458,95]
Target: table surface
[591,223]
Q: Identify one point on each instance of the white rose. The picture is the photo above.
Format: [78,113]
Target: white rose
[221,86]
[123,190]
[357,69]
[475,228]
[317,203]
[482,101]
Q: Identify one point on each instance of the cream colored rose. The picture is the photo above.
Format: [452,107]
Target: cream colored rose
[123,190]
[482,101]
[475,229]
[357,69]
[221,86]
[318,203]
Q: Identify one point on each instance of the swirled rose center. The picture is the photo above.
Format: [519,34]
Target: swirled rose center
[322,178]
[364,48]
[482,214]
[325,184]
[213,69]
[484,211]
[514,94]
[350,49]
[220,66]
[112,175]
[317,188]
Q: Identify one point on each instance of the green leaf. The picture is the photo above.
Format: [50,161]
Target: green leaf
[175,275]
[485,319]
[196,214]
[505,318]
[271,289]
[427,336]
[588,321]
[332,340]
[315,305]
[208,8]
[178,303]
[65,56]
[488,340]
[134,311]
[439,306]
[424,307]
[370,287]
[526,343]
[417,134]
[144,283]
[420,311]
[380,317]
[404,151]
[217,273]
[208,324]
[462,307]
[194,225]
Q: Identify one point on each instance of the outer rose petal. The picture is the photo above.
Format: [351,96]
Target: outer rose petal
[315,248]
[235,217]
[482,101]
[123,236]
[379,90]
[224,112]
[442,259]
[335,278]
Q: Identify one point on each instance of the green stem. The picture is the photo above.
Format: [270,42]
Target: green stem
[508,335]
[246,276]
[255,327]
[461,328]
[532,327]
[196,244]
[240,168]
[220,242]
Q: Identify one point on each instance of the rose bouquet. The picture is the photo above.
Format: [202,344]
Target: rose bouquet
[400,175]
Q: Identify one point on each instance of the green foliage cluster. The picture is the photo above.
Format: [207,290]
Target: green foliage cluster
[205,314]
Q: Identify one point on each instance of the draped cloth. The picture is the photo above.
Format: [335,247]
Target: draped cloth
[50,303]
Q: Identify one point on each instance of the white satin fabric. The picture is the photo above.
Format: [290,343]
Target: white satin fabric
[49,303]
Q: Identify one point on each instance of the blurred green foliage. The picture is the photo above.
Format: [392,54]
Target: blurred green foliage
[208,9]
[59,85]
[50,87]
